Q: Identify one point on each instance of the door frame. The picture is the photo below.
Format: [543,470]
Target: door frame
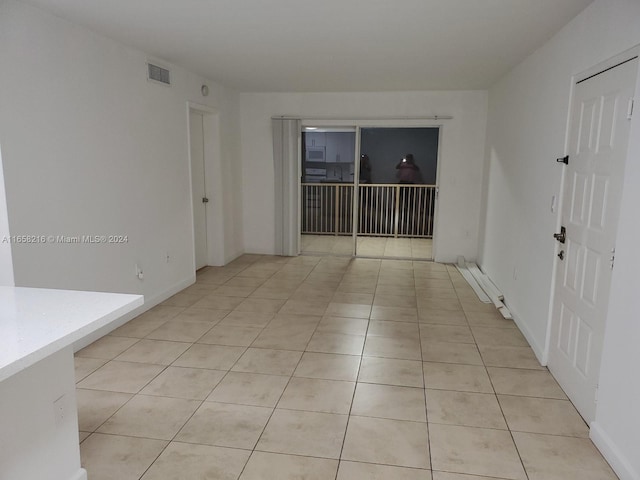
[381,122]
[599,68]
[213,184]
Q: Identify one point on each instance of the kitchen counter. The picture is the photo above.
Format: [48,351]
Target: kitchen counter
[35,322]
[38,413]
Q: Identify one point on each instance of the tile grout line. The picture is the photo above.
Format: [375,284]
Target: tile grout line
[275,406]
[151,380]
[191,416]
[424,383]
[513,440]
[355,388]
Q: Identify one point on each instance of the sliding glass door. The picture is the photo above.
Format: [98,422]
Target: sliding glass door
[388,175]
[398,171]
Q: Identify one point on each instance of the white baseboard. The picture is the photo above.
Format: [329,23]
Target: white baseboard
[80,475]
[612,454]
[149,303]
[539,352]
[232,256]
[161,297]
[260,251]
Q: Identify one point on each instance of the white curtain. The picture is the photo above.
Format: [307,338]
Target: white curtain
[286,145]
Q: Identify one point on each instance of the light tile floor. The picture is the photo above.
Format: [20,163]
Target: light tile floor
[326,368]
[380,247]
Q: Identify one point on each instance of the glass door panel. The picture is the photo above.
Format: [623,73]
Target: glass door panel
[397,192]
[327,190]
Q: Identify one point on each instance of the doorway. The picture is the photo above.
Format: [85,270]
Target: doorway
[369,191]
[198,187]
[593,178]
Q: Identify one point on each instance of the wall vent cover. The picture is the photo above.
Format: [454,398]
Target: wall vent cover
[158,74]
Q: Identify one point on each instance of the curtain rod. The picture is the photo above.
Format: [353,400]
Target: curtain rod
[342,119]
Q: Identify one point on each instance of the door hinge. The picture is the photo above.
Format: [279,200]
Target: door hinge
[630,109]
[205,200]
[595,399]
[564,160]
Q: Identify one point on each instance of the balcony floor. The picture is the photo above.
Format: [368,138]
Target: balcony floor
[379,247]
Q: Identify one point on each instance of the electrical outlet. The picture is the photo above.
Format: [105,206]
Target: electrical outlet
[139,272]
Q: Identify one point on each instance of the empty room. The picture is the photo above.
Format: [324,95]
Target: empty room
[324,241]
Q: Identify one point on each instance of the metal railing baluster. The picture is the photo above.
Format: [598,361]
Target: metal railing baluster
[384,209]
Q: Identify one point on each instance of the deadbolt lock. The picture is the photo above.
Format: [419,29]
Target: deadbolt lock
[561,255]
[562,236]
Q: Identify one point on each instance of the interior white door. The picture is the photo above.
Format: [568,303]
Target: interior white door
[198,187]
[593,181]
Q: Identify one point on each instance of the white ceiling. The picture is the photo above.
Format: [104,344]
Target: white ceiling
[331,45]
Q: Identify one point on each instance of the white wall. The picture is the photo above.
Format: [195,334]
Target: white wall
[231,176]
[91,147]
[526,131]
[462,151]
[6,262]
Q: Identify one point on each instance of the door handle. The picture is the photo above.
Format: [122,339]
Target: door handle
[205,200]
[562,236]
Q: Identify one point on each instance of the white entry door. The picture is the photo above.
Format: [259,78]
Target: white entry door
[593,182]
[198,187]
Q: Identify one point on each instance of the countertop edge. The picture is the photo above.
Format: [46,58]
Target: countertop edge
[69,339]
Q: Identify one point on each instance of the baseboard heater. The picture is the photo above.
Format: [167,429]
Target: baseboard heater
[485,289]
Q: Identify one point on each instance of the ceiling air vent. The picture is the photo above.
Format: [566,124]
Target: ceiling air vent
[158,74]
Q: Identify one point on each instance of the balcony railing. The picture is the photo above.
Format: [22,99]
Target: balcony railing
[385,210]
